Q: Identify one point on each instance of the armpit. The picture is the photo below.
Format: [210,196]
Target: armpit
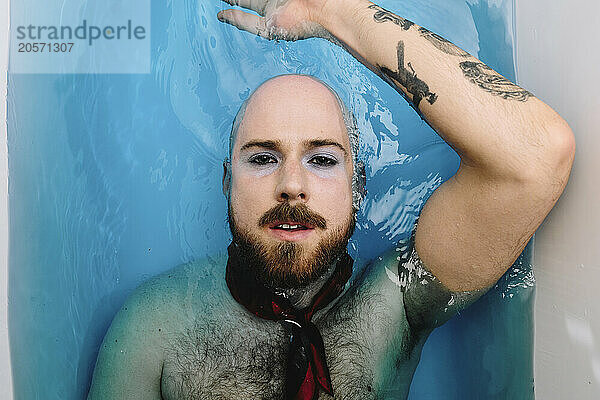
[428,303]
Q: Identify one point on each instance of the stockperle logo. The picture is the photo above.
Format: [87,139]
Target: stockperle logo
[80,36]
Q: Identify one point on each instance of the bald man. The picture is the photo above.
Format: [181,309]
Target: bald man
[276,317]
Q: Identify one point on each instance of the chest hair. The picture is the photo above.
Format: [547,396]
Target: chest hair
[241,357]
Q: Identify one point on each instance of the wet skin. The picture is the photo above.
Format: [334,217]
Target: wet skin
[196,342]
[183,336]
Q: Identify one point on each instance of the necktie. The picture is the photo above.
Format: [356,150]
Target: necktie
[306,367]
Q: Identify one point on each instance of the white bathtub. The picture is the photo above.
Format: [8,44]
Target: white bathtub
[558,60]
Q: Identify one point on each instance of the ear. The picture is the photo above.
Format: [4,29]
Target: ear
[226,177]
[359,190]
[362,179]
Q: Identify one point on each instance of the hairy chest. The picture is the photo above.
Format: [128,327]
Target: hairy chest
[367,349]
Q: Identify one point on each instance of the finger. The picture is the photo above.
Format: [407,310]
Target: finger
[254,5]
[244,21]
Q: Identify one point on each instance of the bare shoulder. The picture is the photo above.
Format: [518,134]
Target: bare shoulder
[183,286]
[134,348]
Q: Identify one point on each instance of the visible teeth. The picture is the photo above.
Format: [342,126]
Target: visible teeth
[288,226]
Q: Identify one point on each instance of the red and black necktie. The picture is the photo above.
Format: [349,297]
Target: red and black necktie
[306,367]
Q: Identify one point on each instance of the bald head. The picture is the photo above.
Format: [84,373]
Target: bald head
[306,92]
[299,103]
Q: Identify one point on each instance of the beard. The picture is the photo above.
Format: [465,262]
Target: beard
[289,265]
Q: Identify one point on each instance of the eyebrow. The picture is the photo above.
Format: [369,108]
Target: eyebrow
[311,144]
[308,144]
[265,144]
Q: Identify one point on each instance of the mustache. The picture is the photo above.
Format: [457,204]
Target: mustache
[298,213]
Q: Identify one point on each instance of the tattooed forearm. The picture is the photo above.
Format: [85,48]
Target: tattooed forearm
[492,82]
[383,15]
[407,77]
[442,44]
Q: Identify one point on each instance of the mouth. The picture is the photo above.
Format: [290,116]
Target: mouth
[290,230]
[290,226]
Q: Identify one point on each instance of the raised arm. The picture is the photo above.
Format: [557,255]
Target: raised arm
[516,152]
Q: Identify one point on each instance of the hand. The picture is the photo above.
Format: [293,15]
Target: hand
[277,19]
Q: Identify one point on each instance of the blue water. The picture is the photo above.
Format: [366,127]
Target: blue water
[116,178]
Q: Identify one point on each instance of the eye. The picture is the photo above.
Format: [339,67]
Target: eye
[262,159]
[323,161]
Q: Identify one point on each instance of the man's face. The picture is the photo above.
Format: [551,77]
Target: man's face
[291,180]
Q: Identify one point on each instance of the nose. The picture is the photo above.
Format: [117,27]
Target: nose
[291,184]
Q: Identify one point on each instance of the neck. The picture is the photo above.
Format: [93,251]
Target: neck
[302,297]
[255,294]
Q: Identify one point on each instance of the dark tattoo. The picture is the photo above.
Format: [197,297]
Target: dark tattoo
[408,78]
[383,15]
[442,44]
[492,82]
